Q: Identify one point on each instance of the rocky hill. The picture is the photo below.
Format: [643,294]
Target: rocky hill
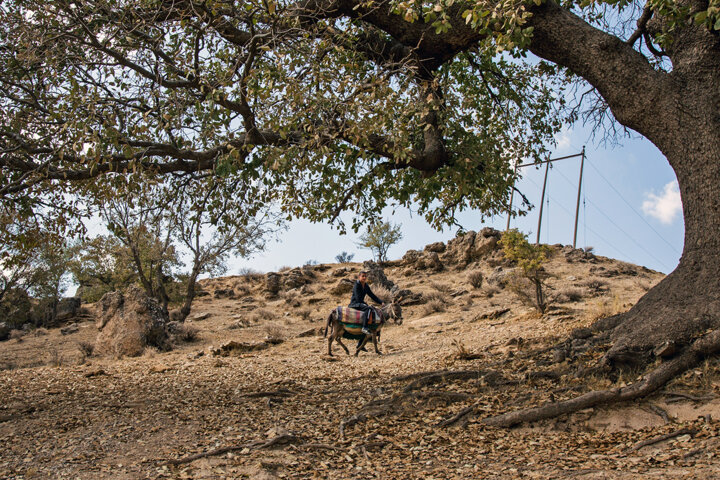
[248,390]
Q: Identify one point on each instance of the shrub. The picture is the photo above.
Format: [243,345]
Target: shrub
[344,257]
[441,287]
[86,348]
[476,279]
[569,294]
[436,297]
[491,290]
[529,259]
[433,306]
[184,333]
[275,333]
[382,293]
[250,274]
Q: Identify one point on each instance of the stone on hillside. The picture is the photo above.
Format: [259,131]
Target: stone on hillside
[70,329]
[345,285]
[224,293]
[437,247]
[295,278]
[410,257]
[340,272]
[128,322]
[471,246]
[4,331]
[67,308]
[499,277]
[272,283]
[376,276]
[429,261]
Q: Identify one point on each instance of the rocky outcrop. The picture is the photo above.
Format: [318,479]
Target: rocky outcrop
[343,286]
[272,283]
[376,276]
[67,308]
[295,278]
[459,252]
[470,247]
[128,322]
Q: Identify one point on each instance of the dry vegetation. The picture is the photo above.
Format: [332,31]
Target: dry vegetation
[275,406]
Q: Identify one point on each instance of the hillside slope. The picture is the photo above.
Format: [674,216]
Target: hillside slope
[281,408]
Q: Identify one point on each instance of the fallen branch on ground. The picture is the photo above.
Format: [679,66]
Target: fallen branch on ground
[662,438]
[701,348]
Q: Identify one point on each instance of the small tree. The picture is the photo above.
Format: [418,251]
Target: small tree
[100,265]
[529,259]
[344,257]
[379,238]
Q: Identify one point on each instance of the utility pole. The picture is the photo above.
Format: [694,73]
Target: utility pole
[542,201]
[512,194]
[577,204]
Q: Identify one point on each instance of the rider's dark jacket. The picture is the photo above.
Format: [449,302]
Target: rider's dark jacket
[358,295]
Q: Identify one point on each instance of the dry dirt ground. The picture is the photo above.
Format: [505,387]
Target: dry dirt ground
[290,411]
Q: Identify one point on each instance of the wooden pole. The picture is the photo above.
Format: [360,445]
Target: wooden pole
[542,200]
[512,194]
[577,204]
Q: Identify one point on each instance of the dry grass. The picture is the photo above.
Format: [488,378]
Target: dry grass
[383,293]
[86,348]
[17,335]
[251,275]
[435,305]
[186,334]
[275,333]
[605,308]
[441,287]
[569,294]
[261,314]
[476,279]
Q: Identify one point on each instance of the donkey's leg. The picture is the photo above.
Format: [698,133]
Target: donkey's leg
[374,339]
[343,345]
[361,344]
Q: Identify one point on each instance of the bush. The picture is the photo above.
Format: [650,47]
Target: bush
[86,348]
[250,274]
[186,333]
[529,259]
[570,294]
[344,257]
[433,306]
[441,287]
[476,279]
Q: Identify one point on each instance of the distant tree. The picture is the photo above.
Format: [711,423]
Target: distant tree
[344,257]
[100,265]
[212,234]
[530,259]
[145,228]
[379,237]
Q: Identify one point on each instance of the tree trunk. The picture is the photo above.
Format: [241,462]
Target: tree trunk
[687,301]
[189,293]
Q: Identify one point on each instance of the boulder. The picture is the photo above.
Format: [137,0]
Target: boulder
[429,261]
[376,276]
[411,257]
[344,286]
[4,331]
[67,308]
[471,246]
[272,283]
[128,322]
[437,247]
[295,278]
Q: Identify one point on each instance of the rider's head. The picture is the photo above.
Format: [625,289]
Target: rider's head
[362,276]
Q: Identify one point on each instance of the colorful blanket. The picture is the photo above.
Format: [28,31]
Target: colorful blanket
[351,316]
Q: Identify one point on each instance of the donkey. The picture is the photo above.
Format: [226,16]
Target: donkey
[337,328]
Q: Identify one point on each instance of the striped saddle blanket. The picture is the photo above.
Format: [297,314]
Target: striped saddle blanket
[352,316]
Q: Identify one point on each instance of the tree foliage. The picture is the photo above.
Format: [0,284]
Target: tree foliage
[530,259]
[379,237]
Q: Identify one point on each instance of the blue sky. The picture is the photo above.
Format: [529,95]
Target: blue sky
[631,212]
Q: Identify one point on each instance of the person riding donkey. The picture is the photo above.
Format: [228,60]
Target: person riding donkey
[360,289]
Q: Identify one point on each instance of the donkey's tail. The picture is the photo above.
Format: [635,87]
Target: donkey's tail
[327,323]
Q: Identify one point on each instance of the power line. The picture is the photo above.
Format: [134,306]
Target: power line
[633,209]
[618,226]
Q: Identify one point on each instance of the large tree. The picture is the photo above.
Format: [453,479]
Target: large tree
[333,105]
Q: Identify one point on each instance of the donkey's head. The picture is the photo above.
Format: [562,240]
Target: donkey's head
[393,311]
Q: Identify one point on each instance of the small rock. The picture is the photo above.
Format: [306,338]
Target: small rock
[69,329]
[201,316]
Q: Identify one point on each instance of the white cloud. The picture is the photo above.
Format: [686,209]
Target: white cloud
[665,207]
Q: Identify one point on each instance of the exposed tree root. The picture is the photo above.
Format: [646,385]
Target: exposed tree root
[461,415]
[702,347]
[444,376]
[278,440]
[276,393]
